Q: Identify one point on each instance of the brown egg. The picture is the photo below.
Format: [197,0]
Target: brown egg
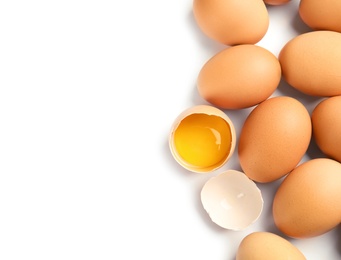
[202,138]
[267,246]
[274,138]
[308,201]
[239,77]
[276,2]
[327,126]
[311,63]
[321,15]
[232,22]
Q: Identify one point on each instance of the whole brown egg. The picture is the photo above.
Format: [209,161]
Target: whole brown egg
[239,77]
[321,15]
[274,138]
[232,21]
[326,121]
[308,201]
[311,63]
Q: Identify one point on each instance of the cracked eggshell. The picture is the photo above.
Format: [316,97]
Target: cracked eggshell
[210,139]
[232,200]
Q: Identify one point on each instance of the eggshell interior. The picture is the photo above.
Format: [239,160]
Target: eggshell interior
[232,200]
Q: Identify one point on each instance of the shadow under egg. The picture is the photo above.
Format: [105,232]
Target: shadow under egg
[299,26]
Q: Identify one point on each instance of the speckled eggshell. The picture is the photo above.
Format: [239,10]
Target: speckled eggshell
[326,119]
[267,246]
[321,15]
[239,77]
[274,138]
[308,201]
[311,63]
[232,22]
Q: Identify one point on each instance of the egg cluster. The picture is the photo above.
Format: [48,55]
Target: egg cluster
[276,134]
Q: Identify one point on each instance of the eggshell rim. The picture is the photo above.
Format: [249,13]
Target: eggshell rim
[257,189]
[202,109]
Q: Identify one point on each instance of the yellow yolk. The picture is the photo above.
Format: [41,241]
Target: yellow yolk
[203,140]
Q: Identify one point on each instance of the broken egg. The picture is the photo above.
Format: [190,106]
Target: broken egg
[232,200]
[202,138]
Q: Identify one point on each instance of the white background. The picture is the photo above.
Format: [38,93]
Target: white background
[88,93]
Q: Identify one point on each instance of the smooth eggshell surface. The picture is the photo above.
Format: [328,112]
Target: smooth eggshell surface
[326,121]
[321,15]
[311,63]
[274,138]
[276,2]
[267,246]
[239,77]
[232,22]
[232,200]
[308,201]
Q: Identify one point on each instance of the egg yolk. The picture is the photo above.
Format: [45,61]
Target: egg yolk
[203,140]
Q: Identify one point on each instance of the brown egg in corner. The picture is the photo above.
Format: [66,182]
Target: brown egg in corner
[232,22]
[308,201]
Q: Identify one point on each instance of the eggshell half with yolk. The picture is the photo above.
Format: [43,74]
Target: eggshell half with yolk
[202,138]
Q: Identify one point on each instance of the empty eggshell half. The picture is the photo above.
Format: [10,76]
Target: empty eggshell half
[202,138]
[232,200]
